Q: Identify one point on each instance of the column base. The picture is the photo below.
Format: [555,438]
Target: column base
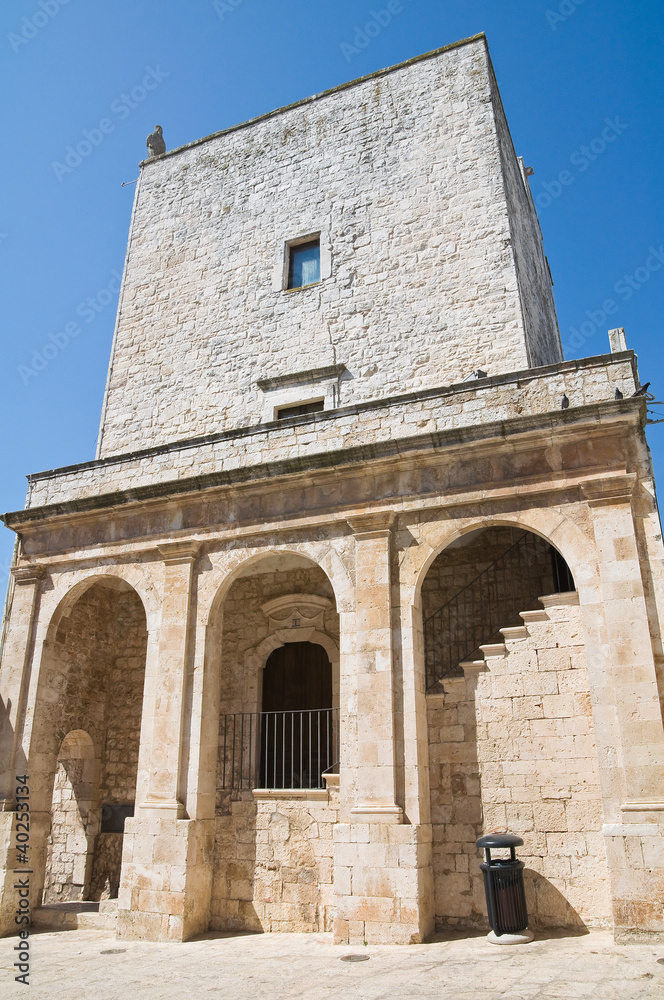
[383,883]
[166,877]
[635,853]
[12,871]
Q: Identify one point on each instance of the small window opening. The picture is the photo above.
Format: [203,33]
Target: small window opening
[316,406]
[304,264]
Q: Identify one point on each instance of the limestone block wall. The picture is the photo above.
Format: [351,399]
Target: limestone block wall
[98,668]
[506,397]
[532,268]
[67,859]
[512,746]
[402,177]
[273,862]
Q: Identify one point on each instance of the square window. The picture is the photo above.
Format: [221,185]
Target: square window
[304,264]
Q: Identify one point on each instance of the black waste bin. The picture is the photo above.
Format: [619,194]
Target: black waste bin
[503,884]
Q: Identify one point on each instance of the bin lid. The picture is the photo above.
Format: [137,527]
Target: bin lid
[497,840]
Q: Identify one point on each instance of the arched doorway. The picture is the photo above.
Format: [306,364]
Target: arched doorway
[297,726]
[278,654]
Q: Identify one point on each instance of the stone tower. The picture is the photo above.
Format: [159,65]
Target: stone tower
[345,586]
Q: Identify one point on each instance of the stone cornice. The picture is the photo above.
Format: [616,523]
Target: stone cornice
[527,375]
[179,552]
[595,416]
[609,489]
[296,378]
[27,574]
[377,524]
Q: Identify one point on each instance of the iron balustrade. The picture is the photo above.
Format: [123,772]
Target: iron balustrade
[278,749]
[493,600]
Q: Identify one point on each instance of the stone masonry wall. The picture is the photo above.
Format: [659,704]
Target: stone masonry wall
[274,863]
[501,398]
[532,268]
[401,175]
[512,747]
[101,648]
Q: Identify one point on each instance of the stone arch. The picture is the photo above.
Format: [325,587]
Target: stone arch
[213,590]
[498,713]
[481,582]
[91,677]
[71,840]
[70,587]
[554,527]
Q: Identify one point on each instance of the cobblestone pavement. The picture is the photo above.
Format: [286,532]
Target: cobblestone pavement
[73,964]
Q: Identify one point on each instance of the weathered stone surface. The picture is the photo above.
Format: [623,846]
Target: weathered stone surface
[154,583]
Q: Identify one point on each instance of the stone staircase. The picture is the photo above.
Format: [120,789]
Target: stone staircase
[76,916]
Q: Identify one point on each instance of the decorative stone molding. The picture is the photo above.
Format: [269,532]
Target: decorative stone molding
[302,611]
[167,805]
[609,489]
[296,378]
[27,574]
[643,811]
[179,552]
[378,524]
[370,812]
[290,793]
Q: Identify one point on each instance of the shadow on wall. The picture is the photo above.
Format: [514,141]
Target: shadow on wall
[548,910]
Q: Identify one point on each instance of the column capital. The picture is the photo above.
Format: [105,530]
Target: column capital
[609,489]
[377,524]
[179,552]
[29,573]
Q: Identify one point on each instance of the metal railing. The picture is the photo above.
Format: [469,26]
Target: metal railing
[277,749]
[493,600]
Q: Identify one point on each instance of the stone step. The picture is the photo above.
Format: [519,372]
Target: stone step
[527,633]
[74,915]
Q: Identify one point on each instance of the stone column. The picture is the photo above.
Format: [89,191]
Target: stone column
[380,862]
[14,684]
[166,876]
[631,760]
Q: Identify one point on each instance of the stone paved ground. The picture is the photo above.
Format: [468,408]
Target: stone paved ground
[71,964]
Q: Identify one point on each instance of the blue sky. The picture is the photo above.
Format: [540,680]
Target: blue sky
[583,89]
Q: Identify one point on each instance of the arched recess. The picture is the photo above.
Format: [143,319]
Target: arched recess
[270,601]
[434,535]
[71,843]
[283,597]
[511,736]
[479,584]
[91,679]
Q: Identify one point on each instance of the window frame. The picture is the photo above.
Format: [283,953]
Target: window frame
[282,258]
[292,247]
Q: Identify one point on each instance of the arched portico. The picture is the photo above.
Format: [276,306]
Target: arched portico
[279,599]
[598,539]
[86,676]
